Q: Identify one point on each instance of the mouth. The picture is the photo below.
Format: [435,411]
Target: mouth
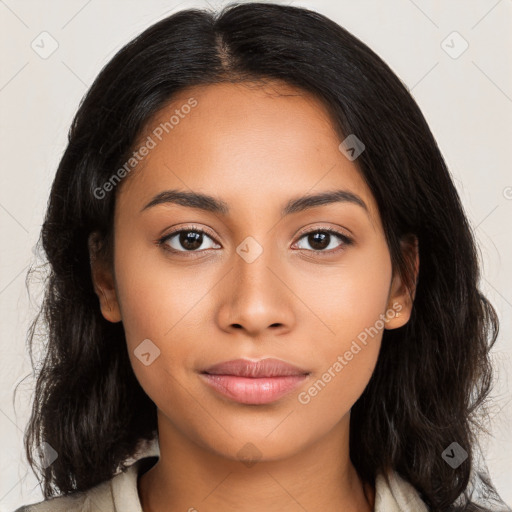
[254,382]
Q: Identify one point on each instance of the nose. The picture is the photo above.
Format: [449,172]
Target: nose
[256,297]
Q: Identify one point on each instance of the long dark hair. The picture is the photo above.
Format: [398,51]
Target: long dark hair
[432,374]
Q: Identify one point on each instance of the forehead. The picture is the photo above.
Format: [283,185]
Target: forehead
[244,142]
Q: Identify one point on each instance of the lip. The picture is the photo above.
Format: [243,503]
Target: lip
[254,382]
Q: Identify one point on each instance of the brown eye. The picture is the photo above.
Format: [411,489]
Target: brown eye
[324,240]
[190,240]
[187,240]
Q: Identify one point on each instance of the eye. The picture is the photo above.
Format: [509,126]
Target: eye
[191,239]
[323,240]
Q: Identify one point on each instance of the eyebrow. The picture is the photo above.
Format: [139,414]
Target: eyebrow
[211,204]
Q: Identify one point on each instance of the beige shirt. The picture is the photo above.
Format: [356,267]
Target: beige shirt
[120,495]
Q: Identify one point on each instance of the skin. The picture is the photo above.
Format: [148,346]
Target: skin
[255,148]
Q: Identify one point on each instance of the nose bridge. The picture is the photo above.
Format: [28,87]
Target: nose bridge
[256,298]
[253,261]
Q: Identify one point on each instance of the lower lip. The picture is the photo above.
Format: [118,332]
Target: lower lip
[261,390]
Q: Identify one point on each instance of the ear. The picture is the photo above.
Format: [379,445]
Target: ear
[401,295]
[103,280]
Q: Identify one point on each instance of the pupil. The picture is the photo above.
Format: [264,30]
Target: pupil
[191,240]
[317,240]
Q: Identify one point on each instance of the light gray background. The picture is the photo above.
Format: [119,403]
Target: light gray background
[466,100]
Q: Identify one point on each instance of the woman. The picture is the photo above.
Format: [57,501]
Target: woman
[263,289]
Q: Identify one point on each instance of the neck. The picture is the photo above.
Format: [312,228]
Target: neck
[190,477]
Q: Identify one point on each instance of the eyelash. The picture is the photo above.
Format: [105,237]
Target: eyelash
[346,240]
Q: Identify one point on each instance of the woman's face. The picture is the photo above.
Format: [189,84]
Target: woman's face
[264,281]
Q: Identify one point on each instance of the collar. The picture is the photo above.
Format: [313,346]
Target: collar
[392,493]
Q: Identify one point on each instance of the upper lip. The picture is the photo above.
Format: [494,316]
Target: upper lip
[268,367]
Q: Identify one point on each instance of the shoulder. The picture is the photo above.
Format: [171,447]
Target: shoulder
[393,493]
[98,498]
[118,493]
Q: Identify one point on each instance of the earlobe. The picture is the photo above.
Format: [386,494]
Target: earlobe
[398,312]
[103,281]
[401,298]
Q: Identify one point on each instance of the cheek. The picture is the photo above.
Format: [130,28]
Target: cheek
[352,305]
[165,304]
[156,297]
[350,297]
